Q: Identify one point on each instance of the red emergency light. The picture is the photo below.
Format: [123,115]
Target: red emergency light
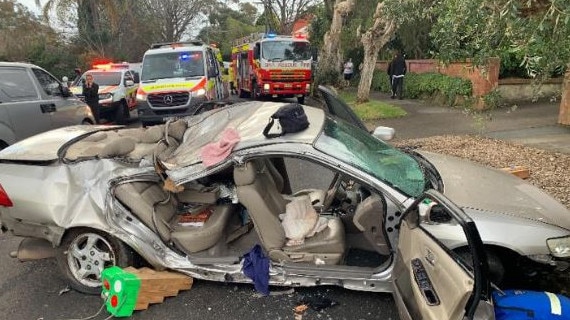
[108,66]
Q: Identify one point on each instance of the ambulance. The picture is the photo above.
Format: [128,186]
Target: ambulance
[117,90]
[177,78]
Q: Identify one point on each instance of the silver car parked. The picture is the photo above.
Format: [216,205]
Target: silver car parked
[33,101]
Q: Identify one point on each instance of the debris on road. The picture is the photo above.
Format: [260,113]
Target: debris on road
[519,171]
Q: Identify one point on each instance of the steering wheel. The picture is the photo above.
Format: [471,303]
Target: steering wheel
[332,191]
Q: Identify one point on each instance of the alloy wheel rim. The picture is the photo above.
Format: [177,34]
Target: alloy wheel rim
[87,256]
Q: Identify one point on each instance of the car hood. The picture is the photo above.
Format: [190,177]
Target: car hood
[475,186]
[45,146]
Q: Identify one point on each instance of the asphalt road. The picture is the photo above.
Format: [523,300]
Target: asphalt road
[36,290]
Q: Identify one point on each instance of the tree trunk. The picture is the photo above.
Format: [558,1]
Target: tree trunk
[373,40]
[564,116]
[330,58]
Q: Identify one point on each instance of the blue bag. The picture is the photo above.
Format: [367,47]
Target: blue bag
[527,305]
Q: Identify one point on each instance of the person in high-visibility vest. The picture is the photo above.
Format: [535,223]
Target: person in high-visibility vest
[232,77]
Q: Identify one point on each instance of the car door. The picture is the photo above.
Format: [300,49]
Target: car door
[430,281]
[63,111]
[130,91]
[23,103]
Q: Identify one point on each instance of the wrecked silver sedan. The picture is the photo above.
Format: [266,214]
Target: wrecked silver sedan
[329,205]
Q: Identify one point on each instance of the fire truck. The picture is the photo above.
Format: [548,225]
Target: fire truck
[270,65]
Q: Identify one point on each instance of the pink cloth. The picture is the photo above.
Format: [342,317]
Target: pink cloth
[215,152]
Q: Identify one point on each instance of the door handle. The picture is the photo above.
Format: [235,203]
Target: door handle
[48,108]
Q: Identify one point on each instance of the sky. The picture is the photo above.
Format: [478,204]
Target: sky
[31,4]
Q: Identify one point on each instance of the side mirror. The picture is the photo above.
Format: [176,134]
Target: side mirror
[384,133]
[129,83]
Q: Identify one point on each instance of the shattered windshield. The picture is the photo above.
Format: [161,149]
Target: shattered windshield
[362,150]
[285,50]
[172,65]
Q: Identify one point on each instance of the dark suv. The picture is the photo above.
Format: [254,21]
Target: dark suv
[34,101]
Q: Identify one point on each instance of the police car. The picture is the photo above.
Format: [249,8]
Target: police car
[118,85]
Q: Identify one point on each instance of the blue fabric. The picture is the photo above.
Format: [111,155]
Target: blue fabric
[256,267]
[525,305]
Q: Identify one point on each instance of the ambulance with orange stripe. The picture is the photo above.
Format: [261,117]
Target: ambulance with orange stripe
[177,79]
[117,90]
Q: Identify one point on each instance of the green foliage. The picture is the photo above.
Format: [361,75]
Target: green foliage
[373,109]
[493,100]
[427,85]
[319,26]
[326,77]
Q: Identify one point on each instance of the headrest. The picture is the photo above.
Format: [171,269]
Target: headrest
[118,147]
[246,174]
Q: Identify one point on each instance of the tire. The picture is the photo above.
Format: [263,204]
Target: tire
[244,94]
[255,92]
[496,267]
[301,100]
[86,122]
[84,253]
[122,113]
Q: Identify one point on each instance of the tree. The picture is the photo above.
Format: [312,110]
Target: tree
[226,25]
[173,18]
[287,12]
[537,30]
[373,40]
[330,56]
[93,19]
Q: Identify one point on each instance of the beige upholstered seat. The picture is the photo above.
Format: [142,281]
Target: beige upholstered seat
[369,219]
[258,193]
[144,198]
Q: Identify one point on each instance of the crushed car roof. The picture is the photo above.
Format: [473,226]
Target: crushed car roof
[248,119]
[45,146]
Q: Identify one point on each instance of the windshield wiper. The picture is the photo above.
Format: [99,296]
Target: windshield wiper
[276,59]
[149,80]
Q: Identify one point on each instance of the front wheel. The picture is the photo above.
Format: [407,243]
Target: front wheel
[84,253]
[496,267]
[255,92]
[122,113]
[301,100]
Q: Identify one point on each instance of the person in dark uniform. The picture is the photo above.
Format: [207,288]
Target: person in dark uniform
[91,96]
[396,70]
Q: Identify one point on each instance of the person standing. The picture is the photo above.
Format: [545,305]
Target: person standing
[396,71]
[348,71]
[91,96]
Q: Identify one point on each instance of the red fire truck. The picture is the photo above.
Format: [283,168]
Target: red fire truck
[270,65]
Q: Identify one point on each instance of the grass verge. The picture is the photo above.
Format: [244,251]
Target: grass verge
[373,109]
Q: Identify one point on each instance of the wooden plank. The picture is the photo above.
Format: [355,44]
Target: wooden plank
[519,171]
[156,285]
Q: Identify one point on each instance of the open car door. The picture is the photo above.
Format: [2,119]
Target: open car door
[430,281]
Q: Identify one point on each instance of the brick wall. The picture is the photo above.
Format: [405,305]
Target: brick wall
[484,79]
